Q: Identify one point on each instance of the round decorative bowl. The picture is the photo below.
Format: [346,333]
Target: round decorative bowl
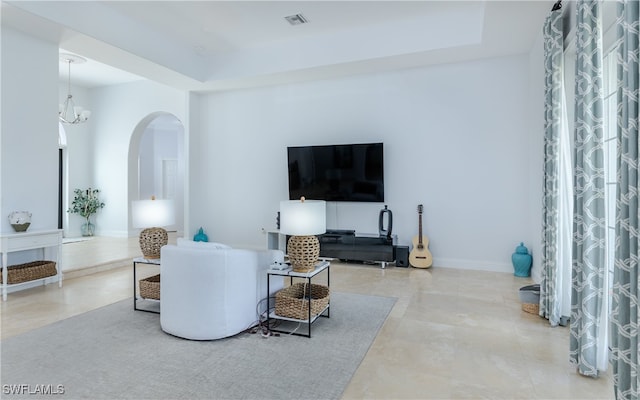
[20,220]
[21,227]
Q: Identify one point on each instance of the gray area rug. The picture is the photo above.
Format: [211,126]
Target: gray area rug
[117,353]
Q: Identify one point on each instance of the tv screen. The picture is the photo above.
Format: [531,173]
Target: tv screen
[346,172]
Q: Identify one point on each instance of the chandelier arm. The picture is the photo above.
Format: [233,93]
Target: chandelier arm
[79,115]
[69,103]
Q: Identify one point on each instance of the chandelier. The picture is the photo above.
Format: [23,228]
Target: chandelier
[68,112]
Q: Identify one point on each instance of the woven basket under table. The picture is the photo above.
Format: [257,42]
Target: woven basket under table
[531,308]
[293,301]
[30,271]
[150,287]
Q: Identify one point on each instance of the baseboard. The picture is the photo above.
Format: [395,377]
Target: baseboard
[76,273]
[117,234]
[473,265]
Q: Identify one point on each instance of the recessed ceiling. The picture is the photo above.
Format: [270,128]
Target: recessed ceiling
[93,74]
[216,45]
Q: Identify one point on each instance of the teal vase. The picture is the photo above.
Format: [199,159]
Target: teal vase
[200,236]
[521,260]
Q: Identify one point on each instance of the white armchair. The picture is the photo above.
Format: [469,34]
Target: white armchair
[208,292]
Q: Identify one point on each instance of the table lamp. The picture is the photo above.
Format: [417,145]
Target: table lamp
[303,219]
[152,215]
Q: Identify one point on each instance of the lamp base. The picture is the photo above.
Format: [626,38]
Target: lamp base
[152,240]
[303,252]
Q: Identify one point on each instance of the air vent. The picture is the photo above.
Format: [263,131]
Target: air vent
[297,19]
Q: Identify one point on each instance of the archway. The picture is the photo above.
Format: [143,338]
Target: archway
[156,164]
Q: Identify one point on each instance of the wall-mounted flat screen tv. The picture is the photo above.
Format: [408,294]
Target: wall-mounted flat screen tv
[344,172]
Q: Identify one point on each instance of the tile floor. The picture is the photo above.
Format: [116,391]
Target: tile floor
[453,334]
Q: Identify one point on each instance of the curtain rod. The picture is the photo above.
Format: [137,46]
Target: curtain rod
[557,6]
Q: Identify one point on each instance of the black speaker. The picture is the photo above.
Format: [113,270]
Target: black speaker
[402,256]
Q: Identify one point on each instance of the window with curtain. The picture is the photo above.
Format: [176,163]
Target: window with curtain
[596,135]
[610,132]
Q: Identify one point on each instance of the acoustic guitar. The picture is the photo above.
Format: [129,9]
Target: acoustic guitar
[420,256]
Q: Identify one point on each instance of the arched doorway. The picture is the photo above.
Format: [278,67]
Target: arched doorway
[156,164]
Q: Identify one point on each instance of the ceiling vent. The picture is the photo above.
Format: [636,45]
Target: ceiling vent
[296,19]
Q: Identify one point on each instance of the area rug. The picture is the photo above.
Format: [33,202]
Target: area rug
[117,353]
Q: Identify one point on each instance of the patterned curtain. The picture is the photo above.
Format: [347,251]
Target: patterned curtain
[553,122]
[624,313]
[588,260]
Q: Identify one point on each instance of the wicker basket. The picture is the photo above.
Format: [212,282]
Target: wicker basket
[293,302]
[150,287]
[30,271]
[530,298]
[531,308]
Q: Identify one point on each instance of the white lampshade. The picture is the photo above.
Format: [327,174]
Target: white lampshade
[152,213]
[303,218]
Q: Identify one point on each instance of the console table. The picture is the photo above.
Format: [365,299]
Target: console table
[48,240]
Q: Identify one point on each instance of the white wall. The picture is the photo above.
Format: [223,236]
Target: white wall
[456,140]
[118,112]
[536,143]
[29,130]
[146,162]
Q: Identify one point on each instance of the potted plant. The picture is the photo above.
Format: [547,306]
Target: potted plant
[86,203]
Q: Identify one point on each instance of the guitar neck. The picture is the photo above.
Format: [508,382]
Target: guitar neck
[420,229]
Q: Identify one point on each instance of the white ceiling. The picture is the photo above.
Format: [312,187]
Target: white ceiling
[217,45]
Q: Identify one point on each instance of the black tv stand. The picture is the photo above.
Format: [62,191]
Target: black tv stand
[340,232]
[348,245]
